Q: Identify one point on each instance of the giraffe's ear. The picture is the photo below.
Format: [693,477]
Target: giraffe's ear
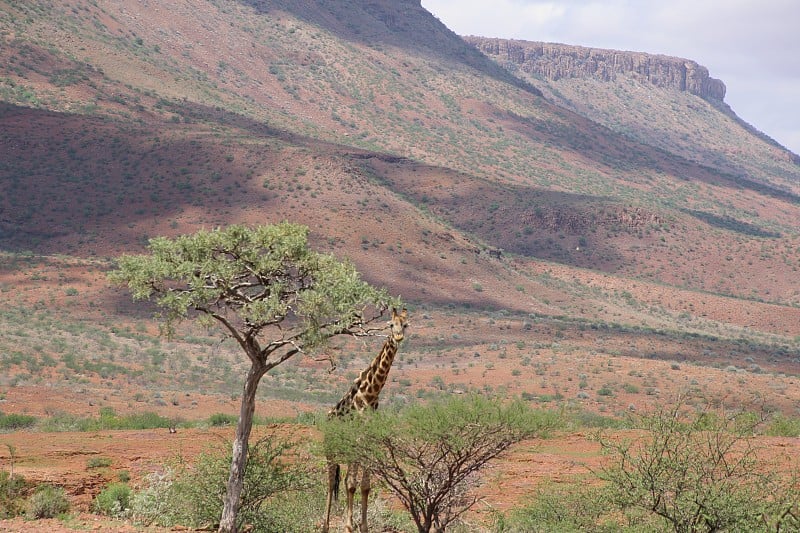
[403,314]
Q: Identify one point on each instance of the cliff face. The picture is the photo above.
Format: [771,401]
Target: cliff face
[556,61]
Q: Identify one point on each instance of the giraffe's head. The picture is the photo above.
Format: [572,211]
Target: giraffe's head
[398,323]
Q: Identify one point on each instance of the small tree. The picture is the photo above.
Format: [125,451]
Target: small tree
[700,472]
[427,455]
[12,451]
[267,290]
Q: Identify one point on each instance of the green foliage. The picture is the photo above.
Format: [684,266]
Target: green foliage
[263,274]
[15,421]
[783,426]
[221,419]
[698,472]
[62,421]
[98,462]
[605,390]
[583,419]
[114,500]
[13,490]
[429,455]
[572,508]
[47,502]
[297,511]
[107,419]
[193,495]
[146,420]
[153,503]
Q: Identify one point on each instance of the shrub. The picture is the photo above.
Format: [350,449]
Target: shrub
[782,426]
[98,462]
[14,422]
[108,419]
[146,420]
[47,502]
[13,490]
[193,495]
[153,504]
[699,472]
[221,419]
[630,388]
[555,508]
[114,500]
[61,421]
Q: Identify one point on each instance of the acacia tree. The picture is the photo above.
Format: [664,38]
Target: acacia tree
[428,455]
[267,290]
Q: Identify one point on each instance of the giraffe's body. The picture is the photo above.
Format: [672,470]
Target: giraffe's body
[363,394]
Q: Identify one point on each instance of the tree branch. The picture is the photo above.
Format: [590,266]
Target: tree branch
[283,358]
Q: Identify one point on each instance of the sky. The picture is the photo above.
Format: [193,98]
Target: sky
[753,46]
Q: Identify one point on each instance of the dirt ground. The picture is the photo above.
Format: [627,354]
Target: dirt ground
[63,459]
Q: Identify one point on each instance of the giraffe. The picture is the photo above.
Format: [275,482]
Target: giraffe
[363,394]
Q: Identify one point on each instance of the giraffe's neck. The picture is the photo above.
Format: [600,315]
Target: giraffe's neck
[368,385]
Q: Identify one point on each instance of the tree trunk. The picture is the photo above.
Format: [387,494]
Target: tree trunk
[230,509]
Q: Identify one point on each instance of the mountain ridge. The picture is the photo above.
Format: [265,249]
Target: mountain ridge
[602,211]
[555,61]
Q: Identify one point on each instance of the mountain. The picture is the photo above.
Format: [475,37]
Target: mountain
[554,62]
[583,188]
[557,61]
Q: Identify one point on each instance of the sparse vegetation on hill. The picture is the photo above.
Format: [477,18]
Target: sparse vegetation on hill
[584,244]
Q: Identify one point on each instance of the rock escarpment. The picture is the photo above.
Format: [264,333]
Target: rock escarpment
[557,61]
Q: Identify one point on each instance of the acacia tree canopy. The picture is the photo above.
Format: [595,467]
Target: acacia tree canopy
[267,290]
[251,280]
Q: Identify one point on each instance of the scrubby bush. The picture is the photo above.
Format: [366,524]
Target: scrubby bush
[192,495]
[98,462]
[47,502]
[153,504]
[107,419]
[782,426]
[700,472]
[221,419]
[16,421]
[13,490]
[114,500]
[569,508]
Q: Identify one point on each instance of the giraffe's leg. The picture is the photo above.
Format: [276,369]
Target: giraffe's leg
[333,491]
[364,499]
[352,483]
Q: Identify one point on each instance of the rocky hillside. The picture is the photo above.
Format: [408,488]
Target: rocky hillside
[557,61]
[625,195]
[650,99]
